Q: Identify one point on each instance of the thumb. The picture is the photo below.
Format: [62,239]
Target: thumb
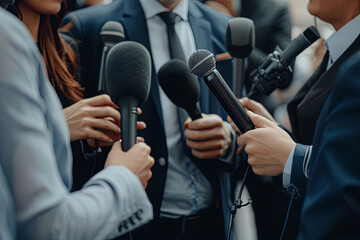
[259,121]
[117,145]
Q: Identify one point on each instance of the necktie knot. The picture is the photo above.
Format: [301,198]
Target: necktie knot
[168,17]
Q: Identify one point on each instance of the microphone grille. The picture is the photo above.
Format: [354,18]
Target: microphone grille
[112,32]
[202,62]
[128,71]
[311,34]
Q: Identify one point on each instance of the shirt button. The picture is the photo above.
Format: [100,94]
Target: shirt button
[162,161]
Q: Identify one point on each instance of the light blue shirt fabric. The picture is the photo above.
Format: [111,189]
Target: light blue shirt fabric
[36,156]
[187,190]
[336,44]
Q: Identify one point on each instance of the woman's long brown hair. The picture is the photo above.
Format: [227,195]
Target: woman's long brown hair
[58,56]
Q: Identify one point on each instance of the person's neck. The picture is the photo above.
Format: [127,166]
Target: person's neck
[169,4]
[31,20]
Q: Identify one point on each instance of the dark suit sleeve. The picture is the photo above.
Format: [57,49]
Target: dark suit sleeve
[332,204]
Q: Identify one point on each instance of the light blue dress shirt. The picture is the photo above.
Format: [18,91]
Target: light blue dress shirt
[36,156]
[336,44]
[187,190]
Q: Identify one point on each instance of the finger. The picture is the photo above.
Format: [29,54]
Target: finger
[140,125]
[187,121]
[97,135]
[207,122]
[101,100]
[139,111]
[103,124]
[241,141]
[233,124]
[215,153]
[259,121]
[201,135]
[205,145]
[140,139]
[105,111]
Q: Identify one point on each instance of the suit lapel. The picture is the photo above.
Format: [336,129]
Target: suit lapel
[136,30]
[307,104]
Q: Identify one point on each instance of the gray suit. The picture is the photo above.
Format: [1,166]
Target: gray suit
[36,156]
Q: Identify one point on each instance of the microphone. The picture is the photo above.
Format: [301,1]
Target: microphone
[111,33]
[240,41]
[202,63]
[128,77]
[269,73]
[180,86]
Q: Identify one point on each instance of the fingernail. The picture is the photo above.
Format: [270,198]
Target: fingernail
[186,124]
[250,112]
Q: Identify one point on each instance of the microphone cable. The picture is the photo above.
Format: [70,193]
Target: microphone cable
[238,203]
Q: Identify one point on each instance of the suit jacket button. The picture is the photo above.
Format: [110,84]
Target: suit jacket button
[162,161]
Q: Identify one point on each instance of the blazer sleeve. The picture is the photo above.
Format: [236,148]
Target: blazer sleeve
[332,205]
[35,155]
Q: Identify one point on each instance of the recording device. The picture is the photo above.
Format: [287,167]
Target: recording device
[128,77]
[202,63]
[270,73]
[240,41]
[180,86]
[111,33]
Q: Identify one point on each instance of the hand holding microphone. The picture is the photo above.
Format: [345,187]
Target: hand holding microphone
[206,135]
[202,63]
[128,79]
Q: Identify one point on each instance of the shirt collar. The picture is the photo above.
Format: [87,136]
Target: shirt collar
[341,40]
[153,7]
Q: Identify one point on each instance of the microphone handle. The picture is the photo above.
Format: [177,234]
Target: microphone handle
[128,110]
[228,100]
[102,77]
[194,111]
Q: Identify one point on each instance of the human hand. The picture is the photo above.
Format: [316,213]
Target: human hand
[94,118]
[253,106]
[268,146]
[137,160]
[208,137]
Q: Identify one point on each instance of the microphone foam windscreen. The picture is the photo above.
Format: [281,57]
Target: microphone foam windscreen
[202,62]
[240,37]
[181,87]
[311,34]
[128,71]
[112,32]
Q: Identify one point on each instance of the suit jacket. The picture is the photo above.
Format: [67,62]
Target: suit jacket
[209,30]
[332,204]
[305,107]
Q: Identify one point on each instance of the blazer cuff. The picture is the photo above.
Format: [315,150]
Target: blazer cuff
[297,177]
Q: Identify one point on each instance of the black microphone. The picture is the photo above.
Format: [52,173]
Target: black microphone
[111,33]
[268,75]
[202,63]
[128,76]
[180,86]
[240,41]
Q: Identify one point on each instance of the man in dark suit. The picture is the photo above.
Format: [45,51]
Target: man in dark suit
[187,191]
[273,152]
[332,202]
